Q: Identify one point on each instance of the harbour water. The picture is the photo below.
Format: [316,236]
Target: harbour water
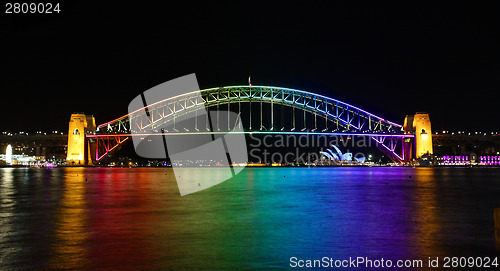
[135,219]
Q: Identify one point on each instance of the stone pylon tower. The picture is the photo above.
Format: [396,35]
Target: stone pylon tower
[419,125]
[78,147]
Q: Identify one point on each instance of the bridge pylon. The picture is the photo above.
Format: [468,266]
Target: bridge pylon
[78,153]
[419,125]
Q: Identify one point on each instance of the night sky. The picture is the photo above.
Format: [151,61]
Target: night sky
[389,59]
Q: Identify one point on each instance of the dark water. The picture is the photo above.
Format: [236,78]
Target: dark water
[134,219]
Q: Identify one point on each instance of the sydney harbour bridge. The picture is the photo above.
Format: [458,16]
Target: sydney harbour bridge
[256,110]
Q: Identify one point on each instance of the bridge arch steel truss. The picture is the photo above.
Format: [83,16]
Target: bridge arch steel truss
[351,119]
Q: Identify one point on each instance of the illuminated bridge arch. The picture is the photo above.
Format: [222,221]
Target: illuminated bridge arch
[349,117]
[336,116]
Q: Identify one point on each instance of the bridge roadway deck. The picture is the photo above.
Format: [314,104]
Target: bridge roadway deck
[256,132]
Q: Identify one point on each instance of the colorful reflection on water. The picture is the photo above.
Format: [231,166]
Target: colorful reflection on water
[121,218]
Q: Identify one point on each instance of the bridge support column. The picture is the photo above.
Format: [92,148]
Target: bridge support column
[419,125]
[78,146]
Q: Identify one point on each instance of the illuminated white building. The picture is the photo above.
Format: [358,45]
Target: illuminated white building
[8,155]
